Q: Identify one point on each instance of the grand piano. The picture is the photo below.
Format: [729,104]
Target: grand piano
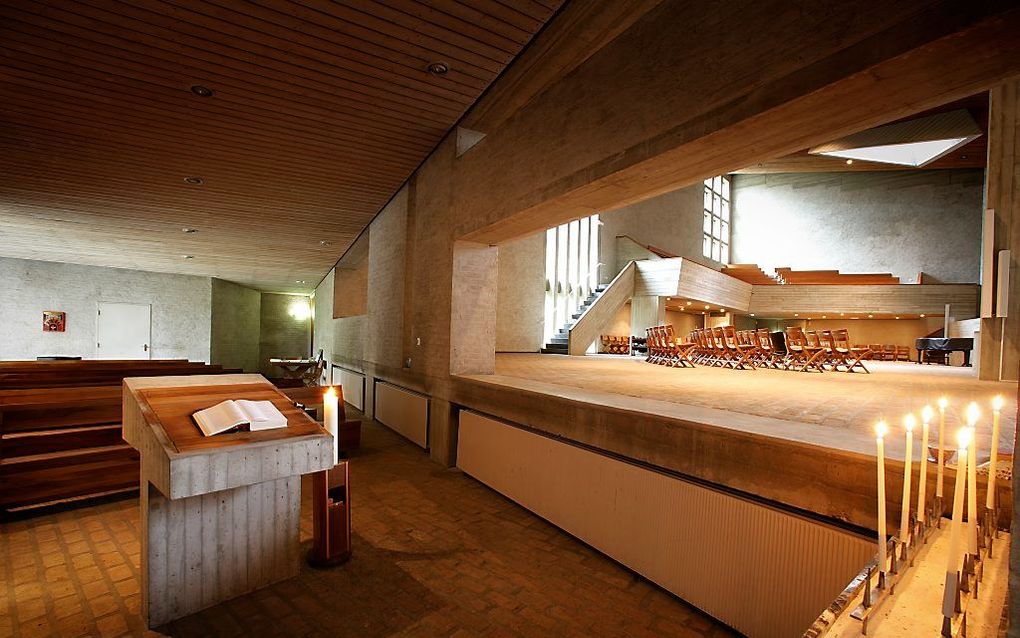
[937,349]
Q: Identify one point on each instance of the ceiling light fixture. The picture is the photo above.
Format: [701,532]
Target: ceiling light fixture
[188,230]
[299,281]
[325,242]
[922,316]
[795,314]
[690,303]
[187,256]
[871,316]
[439,68]
[849,162]
[706,307]
[915,142]
[194,181]
[202,91]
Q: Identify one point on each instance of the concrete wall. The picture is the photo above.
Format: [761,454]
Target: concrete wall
[387,251]
[520,295]
[235,320]
[180,308]
[672,221]
[281,335]
[901,222]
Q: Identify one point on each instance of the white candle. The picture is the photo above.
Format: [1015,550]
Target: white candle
[955,556]
[943,404]
[994,461]
[972,542]
[331,415]
[908,422]
[880,429]
[922,483]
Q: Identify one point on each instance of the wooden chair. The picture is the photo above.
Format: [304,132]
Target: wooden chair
[680,352]
[801,356]
[852,356]
[889,353]
[771,357]
[739,354]
[902,353]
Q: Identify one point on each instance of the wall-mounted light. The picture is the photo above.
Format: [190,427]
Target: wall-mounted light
[299,309]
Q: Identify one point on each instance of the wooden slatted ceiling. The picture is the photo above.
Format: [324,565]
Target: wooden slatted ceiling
[321,110]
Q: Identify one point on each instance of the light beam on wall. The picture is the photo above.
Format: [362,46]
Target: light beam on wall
[912,143]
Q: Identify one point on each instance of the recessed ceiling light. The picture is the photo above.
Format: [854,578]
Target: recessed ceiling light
[188,230]
[325,242]
[690,303]
[299,281]
[194,181]
[897,317]
[795,314]
[871,316]
[202,91]
[187,256]
[841,314]
[850,161]
[823,316]
[439,68]
[752,314]
[922,316]
[706,307]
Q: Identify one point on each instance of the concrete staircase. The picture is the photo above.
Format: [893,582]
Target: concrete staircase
[559,341]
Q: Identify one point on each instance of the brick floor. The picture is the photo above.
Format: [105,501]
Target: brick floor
[435,554]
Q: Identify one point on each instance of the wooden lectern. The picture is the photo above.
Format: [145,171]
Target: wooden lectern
[220,514]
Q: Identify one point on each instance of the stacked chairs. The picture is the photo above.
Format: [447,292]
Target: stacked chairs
[612,344]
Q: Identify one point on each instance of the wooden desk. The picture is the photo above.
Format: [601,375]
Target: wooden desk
[220,515]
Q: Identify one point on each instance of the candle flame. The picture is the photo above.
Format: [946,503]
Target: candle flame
[927,413]
[881,429]
[963,437]
[943,403]
[909,421]
[973,412]
[998,402]
[331,392]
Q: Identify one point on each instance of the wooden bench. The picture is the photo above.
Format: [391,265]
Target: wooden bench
[60,428]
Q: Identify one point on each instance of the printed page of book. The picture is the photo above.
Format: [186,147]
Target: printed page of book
[220,417]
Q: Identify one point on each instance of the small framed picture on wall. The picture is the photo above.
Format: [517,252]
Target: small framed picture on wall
[53,321]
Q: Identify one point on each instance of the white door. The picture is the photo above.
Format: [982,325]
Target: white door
[123,330]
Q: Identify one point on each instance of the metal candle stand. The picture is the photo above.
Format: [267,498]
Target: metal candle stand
[901,559]
[962,587]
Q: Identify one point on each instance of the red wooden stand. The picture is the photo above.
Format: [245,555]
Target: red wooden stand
[331,517]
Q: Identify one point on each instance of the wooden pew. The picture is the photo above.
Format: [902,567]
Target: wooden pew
[60,428]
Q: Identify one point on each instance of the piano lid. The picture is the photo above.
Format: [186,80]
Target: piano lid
[944,343]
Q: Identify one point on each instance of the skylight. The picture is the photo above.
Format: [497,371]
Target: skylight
[914,142]
[910,154]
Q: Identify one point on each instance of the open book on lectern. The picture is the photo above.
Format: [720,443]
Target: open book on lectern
[239,415]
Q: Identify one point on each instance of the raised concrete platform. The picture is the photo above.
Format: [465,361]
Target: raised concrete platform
[793,438]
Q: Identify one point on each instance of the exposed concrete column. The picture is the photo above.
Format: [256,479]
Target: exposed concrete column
[1003,196]
[473,309]
[1000,348]
[646,311]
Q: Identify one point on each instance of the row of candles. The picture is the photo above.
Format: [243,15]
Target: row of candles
[966,479]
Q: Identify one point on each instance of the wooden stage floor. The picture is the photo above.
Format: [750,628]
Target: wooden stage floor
[832,409]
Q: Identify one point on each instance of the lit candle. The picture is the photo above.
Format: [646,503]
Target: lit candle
[880,430]
[922,484]
[331,414]
[972,543]
[993,467]
[908,422]
[953,566]
[943,404]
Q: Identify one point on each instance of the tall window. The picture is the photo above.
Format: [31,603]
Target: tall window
[717,219]
[571,269]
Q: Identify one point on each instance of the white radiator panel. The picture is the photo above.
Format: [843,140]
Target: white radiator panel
[404,411]
[353,384]
[762,571]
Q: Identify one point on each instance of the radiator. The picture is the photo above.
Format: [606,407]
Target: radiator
[761,570]
[353,384]
[403,411]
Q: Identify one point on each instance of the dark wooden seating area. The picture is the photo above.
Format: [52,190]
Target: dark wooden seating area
[60,428]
